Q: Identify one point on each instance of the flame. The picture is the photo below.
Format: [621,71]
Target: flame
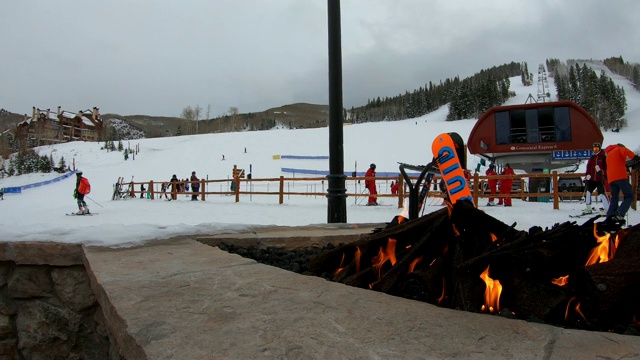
[605,249]
[383,255]
[444,287]
[493,237]
[341,267]
[492,292]
[413,264]
[576,308]
[400,219]
[561,281]
[357,255]
[455,230]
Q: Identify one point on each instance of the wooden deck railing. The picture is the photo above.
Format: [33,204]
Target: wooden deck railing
[316,186]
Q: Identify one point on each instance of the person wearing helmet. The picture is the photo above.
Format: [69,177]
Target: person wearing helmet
[493,183]
[505,185]
[175,183]
[195,186]
[595,179]
[370,184]
[82,188]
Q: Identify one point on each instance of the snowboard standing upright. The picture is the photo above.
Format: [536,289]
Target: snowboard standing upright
[446,153]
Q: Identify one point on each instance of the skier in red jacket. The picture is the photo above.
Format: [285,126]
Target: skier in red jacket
[370,184]
[82,188]
[618,178]
[506,184]
[493,183]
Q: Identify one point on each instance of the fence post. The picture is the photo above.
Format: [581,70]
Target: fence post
[202,192]
[151,191]
[634,186]
[476,185]
[132,190]
[554,183]
[236,180]
[400,191]
[281,194]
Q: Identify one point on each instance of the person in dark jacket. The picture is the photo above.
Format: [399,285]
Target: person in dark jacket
[175,185]
[618,178]
[595,179]
[195,186]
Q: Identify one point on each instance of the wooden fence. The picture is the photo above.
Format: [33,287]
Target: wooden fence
[316,186]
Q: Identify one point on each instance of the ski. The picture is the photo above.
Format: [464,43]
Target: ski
[75,214]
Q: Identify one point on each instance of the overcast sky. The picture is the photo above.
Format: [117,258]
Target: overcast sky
[156,57]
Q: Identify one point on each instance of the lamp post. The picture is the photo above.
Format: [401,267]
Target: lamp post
[336,191]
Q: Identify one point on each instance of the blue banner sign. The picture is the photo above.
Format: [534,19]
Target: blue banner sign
[572,154]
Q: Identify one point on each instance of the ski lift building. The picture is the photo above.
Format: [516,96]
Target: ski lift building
[536,136]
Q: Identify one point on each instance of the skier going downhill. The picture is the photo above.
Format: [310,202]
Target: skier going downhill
[82,188]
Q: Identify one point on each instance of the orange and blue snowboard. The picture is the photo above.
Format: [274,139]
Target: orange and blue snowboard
[449,153]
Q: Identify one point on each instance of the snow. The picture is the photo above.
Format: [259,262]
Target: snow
[38,214]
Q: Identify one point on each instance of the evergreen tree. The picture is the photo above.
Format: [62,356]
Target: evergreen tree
[635,77]
[61,163]
[120,146]
[12,167]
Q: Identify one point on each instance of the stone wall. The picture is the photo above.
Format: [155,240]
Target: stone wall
[47,307]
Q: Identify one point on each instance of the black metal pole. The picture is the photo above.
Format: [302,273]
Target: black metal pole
[336,191]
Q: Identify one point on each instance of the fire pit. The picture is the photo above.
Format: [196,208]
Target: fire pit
[571,275]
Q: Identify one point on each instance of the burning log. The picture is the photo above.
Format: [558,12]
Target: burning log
[465,259]
[430,246]
[408,232]
[609,292]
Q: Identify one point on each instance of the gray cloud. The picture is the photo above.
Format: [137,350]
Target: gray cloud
[157,57]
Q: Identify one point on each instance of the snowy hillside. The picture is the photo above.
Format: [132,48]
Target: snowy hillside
[38,213]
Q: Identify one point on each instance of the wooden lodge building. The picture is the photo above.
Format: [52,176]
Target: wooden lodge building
[46,127]
[535,137]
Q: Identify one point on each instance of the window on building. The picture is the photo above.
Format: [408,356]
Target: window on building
[548,124]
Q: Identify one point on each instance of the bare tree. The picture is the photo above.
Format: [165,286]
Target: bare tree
[196,115]
[188,113]
[233,111]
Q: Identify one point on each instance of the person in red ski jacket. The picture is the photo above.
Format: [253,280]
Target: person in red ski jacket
[82,188]
[618,178]
[505,185]
[493,183]
[370,184]
[394,188]
[595,179]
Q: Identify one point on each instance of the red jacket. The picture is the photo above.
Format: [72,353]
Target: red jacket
[599,159]
[370,183]
[492,182]
[506,183]
[616,162]
[84,187]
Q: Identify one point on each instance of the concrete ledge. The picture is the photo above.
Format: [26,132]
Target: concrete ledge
[292,237]
[183,299]
[41,253]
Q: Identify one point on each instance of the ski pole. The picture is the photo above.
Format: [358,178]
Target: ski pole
[94,201]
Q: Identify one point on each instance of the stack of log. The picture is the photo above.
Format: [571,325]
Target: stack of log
[460,257]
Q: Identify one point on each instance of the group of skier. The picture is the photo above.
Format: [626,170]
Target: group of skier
[606,172]
[505,184]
